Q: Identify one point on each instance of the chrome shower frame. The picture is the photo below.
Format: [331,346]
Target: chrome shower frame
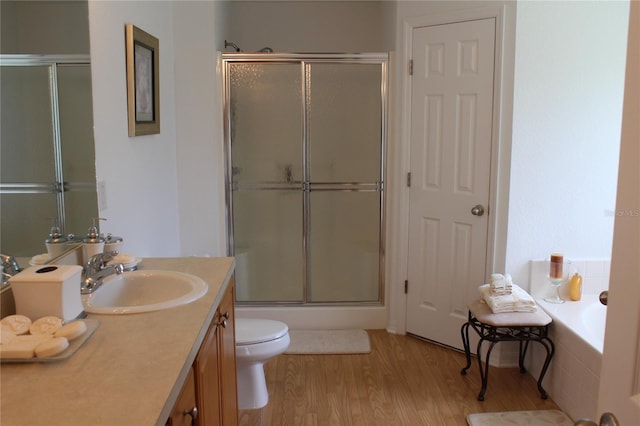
[305,61]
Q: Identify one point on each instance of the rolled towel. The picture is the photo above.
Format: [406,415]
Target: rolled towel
[518,301]
[501,284]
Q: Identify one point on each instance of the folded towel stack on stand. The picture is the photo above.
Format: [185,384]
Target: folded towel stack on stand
[502,295]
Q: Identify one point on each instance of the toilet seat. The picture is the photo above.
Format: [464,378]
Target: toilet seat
[250,331]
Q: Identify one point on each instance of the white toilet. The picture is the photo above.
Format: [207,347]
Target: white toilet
[257,341]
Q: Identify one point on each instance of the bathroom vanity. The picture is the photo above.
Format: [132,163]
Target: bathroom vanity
[150,368]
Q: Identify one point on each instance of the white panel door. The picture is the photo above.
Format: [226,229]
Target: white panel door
[451,125]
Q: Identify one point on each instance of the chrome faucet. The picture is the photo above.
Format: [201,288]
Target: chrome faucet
[97,270]
[10,267]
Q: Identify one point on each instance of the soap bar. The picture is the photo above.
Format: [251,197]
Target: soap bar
[19,324]
[22,346]
[51,347]
[17,350]
[45,325]
[6,335]
[72,330]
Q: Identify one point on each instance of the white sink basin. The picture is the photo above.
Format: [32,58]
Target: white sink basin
[144,291]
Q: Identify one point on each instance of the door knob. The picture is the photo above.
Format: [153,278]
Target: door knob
[477,210]
[604,297]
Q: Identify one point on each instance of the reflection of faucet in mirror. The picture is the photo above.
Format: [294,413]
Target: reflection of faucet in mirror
[10,267]
[64,184]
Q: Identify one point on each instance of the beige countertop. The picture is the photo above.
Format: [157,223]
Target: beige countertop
[129,372]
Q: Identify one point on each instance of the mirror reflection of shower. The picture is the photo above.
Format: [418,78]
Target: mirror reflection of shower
[305,139]
[47,119]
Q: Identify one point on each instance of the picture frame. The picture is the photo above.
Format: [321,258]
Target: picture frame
[143,81]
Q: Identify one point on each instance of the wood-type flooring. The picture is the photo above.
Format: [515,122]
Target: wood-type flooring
[404,381]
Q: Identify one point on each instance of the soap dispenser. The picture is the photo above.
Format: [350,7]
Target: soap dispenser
[93,243]
[575,287]
[56,243]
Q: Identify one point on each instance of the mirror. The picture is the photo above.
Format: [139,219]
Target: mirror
[47,149]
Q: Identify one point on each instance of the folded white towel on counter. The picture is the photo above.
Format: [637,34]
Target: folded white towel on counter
[518,301]
[501,284]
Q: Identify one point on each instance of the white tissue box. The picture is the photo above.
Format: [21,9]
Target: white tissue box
[44,290]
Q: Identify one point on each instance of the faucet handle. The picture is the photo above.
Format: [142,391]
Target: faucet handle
[105,257]
[100,259]
[109,255]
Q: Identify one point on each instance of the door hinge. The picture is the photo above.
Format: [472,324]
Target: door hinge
[409,179]
[410,66]
[406,286]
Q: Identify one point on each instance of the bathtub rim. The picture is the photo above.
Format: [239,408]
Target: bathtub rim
[569,315]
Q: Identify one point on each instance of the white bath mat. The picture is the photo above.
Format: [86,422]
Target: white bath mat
[511,418]
[313,342]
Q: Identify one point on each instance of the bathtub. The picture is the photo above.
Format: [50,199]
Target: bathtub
[573,378]
[585,318]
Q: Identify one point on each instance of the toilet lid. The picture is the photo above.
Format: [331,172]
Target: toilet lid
[251,330]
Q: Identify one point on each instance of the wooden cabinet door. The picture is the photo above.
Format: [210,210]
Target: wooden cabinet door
[184,411]
[215,369]
[207,365]
[229,380]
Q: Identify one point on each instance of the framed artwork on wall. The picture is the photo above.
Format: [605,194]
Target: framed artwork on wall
[143,94]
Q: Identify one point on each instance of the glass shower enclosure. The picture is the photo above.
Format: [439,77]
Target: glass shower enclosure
[305,147]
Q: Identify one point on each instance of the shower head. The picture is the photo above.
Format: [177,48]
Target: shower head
[233,45]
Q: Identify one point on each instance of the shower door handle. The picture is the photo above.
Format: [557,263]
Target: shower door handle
[477,210]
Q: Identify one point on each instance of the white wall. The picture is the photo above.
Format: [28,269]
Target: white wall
[200,28]
[312,26]
[143,201]
[569,82]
